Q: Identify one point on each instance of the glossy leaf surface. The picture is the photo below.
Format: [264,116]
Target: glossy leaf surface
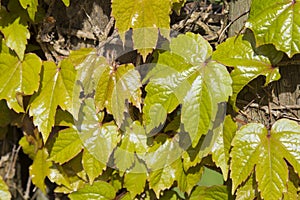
[254,146]
[66,146]
[99,190]
[276,22]
[185,75]
[248,63]
[56,90]
[18,77]
[31,6]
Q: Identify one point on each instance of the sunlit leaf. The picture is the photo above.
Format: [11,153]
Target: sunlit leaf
[66,146]
[92,166]
[31,6]
[218,192]
[66,2]
[145,17]
[99,190]
[247,190]
[4,192]
[18,78]
[56,90]
[185,75]
[135,179]
[99,139]
[222,146]
[162,179]
[133,143]
[40,169]
[253,146]
[27,148]
[248,63]
[16,35]
[115,86]
[276,22]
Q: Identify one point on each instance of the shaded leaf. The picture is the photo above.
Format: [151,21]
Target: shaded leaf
[56,90]
[218,192]
[253,146]
[248,63]
[66,146]
[276,22]
[40,169]
[5,116]
[99,190]
[92,166]
[210,178]
[27,148]
[4,192]
[18,78]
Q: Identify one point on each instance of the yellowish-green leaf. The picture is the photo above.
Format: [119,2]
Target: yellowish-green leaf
[66,2]
[66,146]
[218,192]
[276,22]
[27,148]
[99,139]
[254,145]
[40,168]
[145,17]
[161,179]
[58,176]
[135,178]
[222,146]
[247,190]
[100,190]
[92,166]
[248,63]
[18,78]
[134,143]
[56,90]
[31,6]
[16,35]
[115,86]
[4,192]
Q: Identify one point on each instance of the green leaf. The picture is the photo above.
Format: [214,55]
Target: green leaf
[16,35]
[164,178]
[27,148]
[185,75]
[253,146]
[177,5]
[99,190]
[92,166]
[99,139]
[40,168]
[247,190]
[115,86]
[18,78]
[133,143]
[135,178]
[4,192]
[56,90]
[210,178]
[66,2]
[218,192]
[222,146]
[66,146]
[145,17]
[276,22]
[291,192]
[58,176]
[31,6]
[248,63]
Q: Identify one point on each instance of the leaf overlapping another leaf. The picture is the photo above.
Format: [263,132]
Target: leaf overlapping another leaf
[276,22]
[185,75]
[254,146]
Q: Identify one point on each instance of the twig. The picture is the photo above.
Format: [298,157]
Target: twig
[26,195]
